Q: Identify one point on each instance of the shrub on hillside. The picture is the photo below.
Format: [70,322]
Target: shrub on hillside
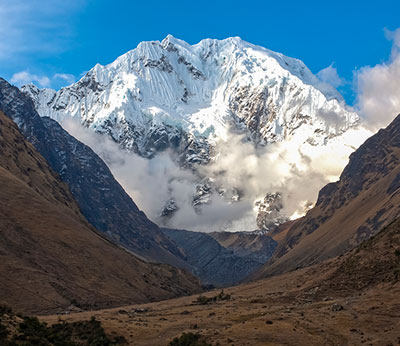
[33,332]
[4,309]
[3,334]
[189,339]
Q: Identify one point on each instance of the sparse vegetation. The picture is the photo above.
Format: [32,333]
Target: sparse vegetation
[3,333]
[203,300]
[30,331]
[189,339]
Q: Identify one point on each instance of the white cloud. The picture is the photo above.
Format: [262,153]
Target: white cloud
[297,171]
[329,75]
[36,27]
[378,87]
[395,37]
[24,77]
[69,78]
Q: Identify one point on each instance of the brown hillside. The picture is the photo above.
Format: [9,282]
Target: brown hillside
[375,261]
[50,257]
[360,204]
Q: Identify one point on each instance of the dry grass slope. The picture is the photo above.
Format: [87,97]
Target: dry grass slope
[50,257]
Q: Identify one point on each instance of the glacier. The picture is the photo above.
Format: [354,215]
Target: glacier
[211,106]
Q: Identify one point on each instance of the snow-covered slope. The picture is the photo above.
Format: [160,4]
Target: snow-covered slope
[191,99]
[157,90]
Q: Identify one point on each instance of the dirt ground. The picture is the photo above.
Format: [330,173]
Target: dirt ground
[284,310]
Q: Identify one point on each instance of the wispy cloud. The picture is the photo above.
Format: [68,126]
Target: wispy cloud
[329,75]
[25,77]
[35,27]
[395,37]
[297,172]
[69,78]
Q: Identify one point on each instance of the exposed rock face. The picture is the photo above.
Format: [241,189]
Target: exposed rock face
[51,258]
[358,206]
[225,261]
[191,99]
[101,199]
[269,212]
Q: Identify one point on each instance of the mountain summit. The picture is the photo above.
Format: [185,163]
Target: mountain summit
[191,98]
[148,98]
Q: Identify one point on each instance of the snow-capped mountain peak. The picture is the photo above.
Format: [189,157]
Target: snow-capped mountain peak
[189,98]
[198,89]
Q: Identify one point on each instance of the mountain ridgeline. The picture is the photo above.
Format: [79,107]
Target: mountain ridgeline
[158,93]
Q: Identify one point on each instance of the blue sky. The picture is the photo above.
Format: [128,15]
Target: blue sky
[52,42]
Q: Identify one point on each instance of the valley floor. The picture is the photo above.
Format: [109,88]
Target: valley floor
[291,309]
